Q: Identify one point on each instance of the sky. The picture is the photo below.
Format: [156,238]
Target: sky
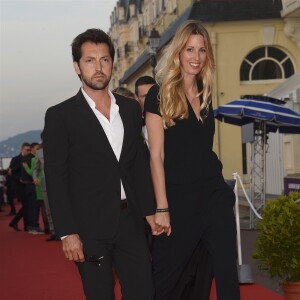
[36,68]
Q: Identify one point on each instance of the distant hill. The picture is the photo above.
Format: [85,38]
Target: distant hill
[11,146]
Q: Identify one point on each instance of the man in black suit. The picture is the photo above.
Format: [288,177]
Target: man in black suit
[98,178]
[15,170]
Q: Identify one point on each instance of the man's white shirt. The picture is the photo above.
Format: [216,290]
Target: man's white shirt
[113,127]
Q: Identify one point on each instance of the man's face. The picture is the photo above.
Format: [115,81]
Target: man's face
[142,91]
[95,66]
[25,150]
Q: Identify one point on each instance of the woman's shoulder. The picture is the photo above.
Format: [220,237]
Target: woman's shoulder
[152,100]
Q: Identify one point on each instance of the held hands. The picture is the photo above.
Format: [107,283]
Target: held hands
[155,229]
[159,223]
[162,220]
[72,248]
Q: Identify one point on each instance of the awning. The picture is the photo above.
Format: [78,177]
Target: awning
[286,88]
[142,59]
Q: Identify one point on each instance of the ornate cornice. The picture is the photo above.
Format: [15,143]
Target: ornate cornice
[291,16]
[292,30]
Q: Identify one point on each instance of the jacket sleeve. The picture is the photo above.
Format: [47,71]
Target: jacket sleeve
[36,170]
[56,154]
[143,181]
[29,169]
[15,164]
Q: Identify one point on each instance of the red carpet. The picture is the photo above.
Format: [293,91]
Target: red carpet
[33,269]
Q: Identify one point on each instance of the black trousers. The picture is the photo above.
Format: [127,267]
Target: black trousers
[33,205]
[23,211]
[10,199]
[42,209]
[129,254]
[199,212]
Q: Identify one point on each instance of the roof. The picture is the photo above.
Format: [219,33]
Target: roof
[235,10]
[142,59]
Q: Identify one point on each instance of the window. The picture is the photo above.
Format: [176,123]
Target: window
[121,13]
[132,11]
[266,63]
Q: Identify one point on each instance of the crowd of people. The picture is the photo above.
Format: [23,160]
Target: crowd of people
[115,161]
[23,182]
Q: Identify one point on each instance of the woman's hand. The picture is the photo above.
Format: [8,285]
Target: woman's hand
[155,229]
[162,219]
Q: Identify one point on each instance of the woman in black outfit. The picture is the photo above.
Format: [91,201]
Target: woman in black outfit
[194,204]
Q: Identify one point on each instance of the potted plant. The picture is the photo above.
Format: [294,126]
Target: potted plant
[278,242]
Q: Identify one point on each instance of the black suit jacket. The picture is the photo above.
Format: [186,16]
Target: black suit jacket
[83,175]
[16,166]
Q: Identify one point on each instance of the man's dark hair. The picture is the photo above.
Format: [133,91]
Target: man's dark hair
[121,90]
[25,145]
[93,35]
[143,80]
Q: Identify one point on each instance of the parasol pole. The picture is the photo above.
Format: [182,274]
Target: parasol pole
[252,189]
[263,203]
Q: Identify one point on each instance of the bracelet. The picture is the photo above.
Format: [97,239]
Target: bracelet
[158,210]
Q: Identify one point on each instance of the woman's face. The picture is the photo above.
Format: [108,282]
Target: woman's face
[193,55]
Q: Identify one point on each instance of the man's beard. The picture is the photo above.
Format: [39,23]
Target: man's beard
[101,85]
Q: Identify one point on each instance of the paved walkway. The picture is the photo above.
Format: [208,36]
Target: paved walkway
[248,238]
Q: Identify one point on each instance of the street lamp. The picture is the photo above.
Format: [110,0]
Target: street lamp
[153,45]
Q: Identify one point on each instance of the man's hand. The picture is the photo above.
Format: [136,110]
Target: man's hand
[155,229]
[72,248]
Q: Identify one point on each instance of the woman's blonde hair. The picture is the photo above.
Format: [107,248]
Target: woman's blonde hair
[173,103]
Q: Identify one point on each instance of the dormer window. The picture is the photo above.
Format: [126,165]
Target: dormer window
[132,10]
[121,13]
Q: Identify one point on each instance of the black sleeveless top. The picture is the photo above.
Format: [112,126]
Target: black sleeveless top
[189,157]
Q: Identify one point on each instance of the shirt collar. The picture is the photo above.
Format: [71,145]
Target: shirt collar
[114,108]
[92,103]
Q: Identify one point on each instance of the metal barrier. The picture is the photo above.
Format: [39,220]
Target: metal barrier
[244,270]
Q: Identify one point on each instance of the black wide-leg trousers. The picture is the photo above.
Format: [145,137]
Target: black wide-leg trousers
[200,214]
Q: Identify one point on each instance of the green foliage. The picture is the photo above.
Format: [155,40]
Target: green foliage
[278,243]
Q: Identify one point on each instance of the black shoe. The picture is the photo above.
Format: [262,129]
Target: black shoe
[14,226]
[52,237]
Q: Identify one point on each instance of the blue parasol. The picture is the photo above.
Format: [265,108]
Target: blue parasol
[268,115]
[254,109]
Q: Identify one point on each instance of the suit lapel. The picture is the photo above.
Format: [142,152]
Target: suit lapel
[125,121]
[93,124]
